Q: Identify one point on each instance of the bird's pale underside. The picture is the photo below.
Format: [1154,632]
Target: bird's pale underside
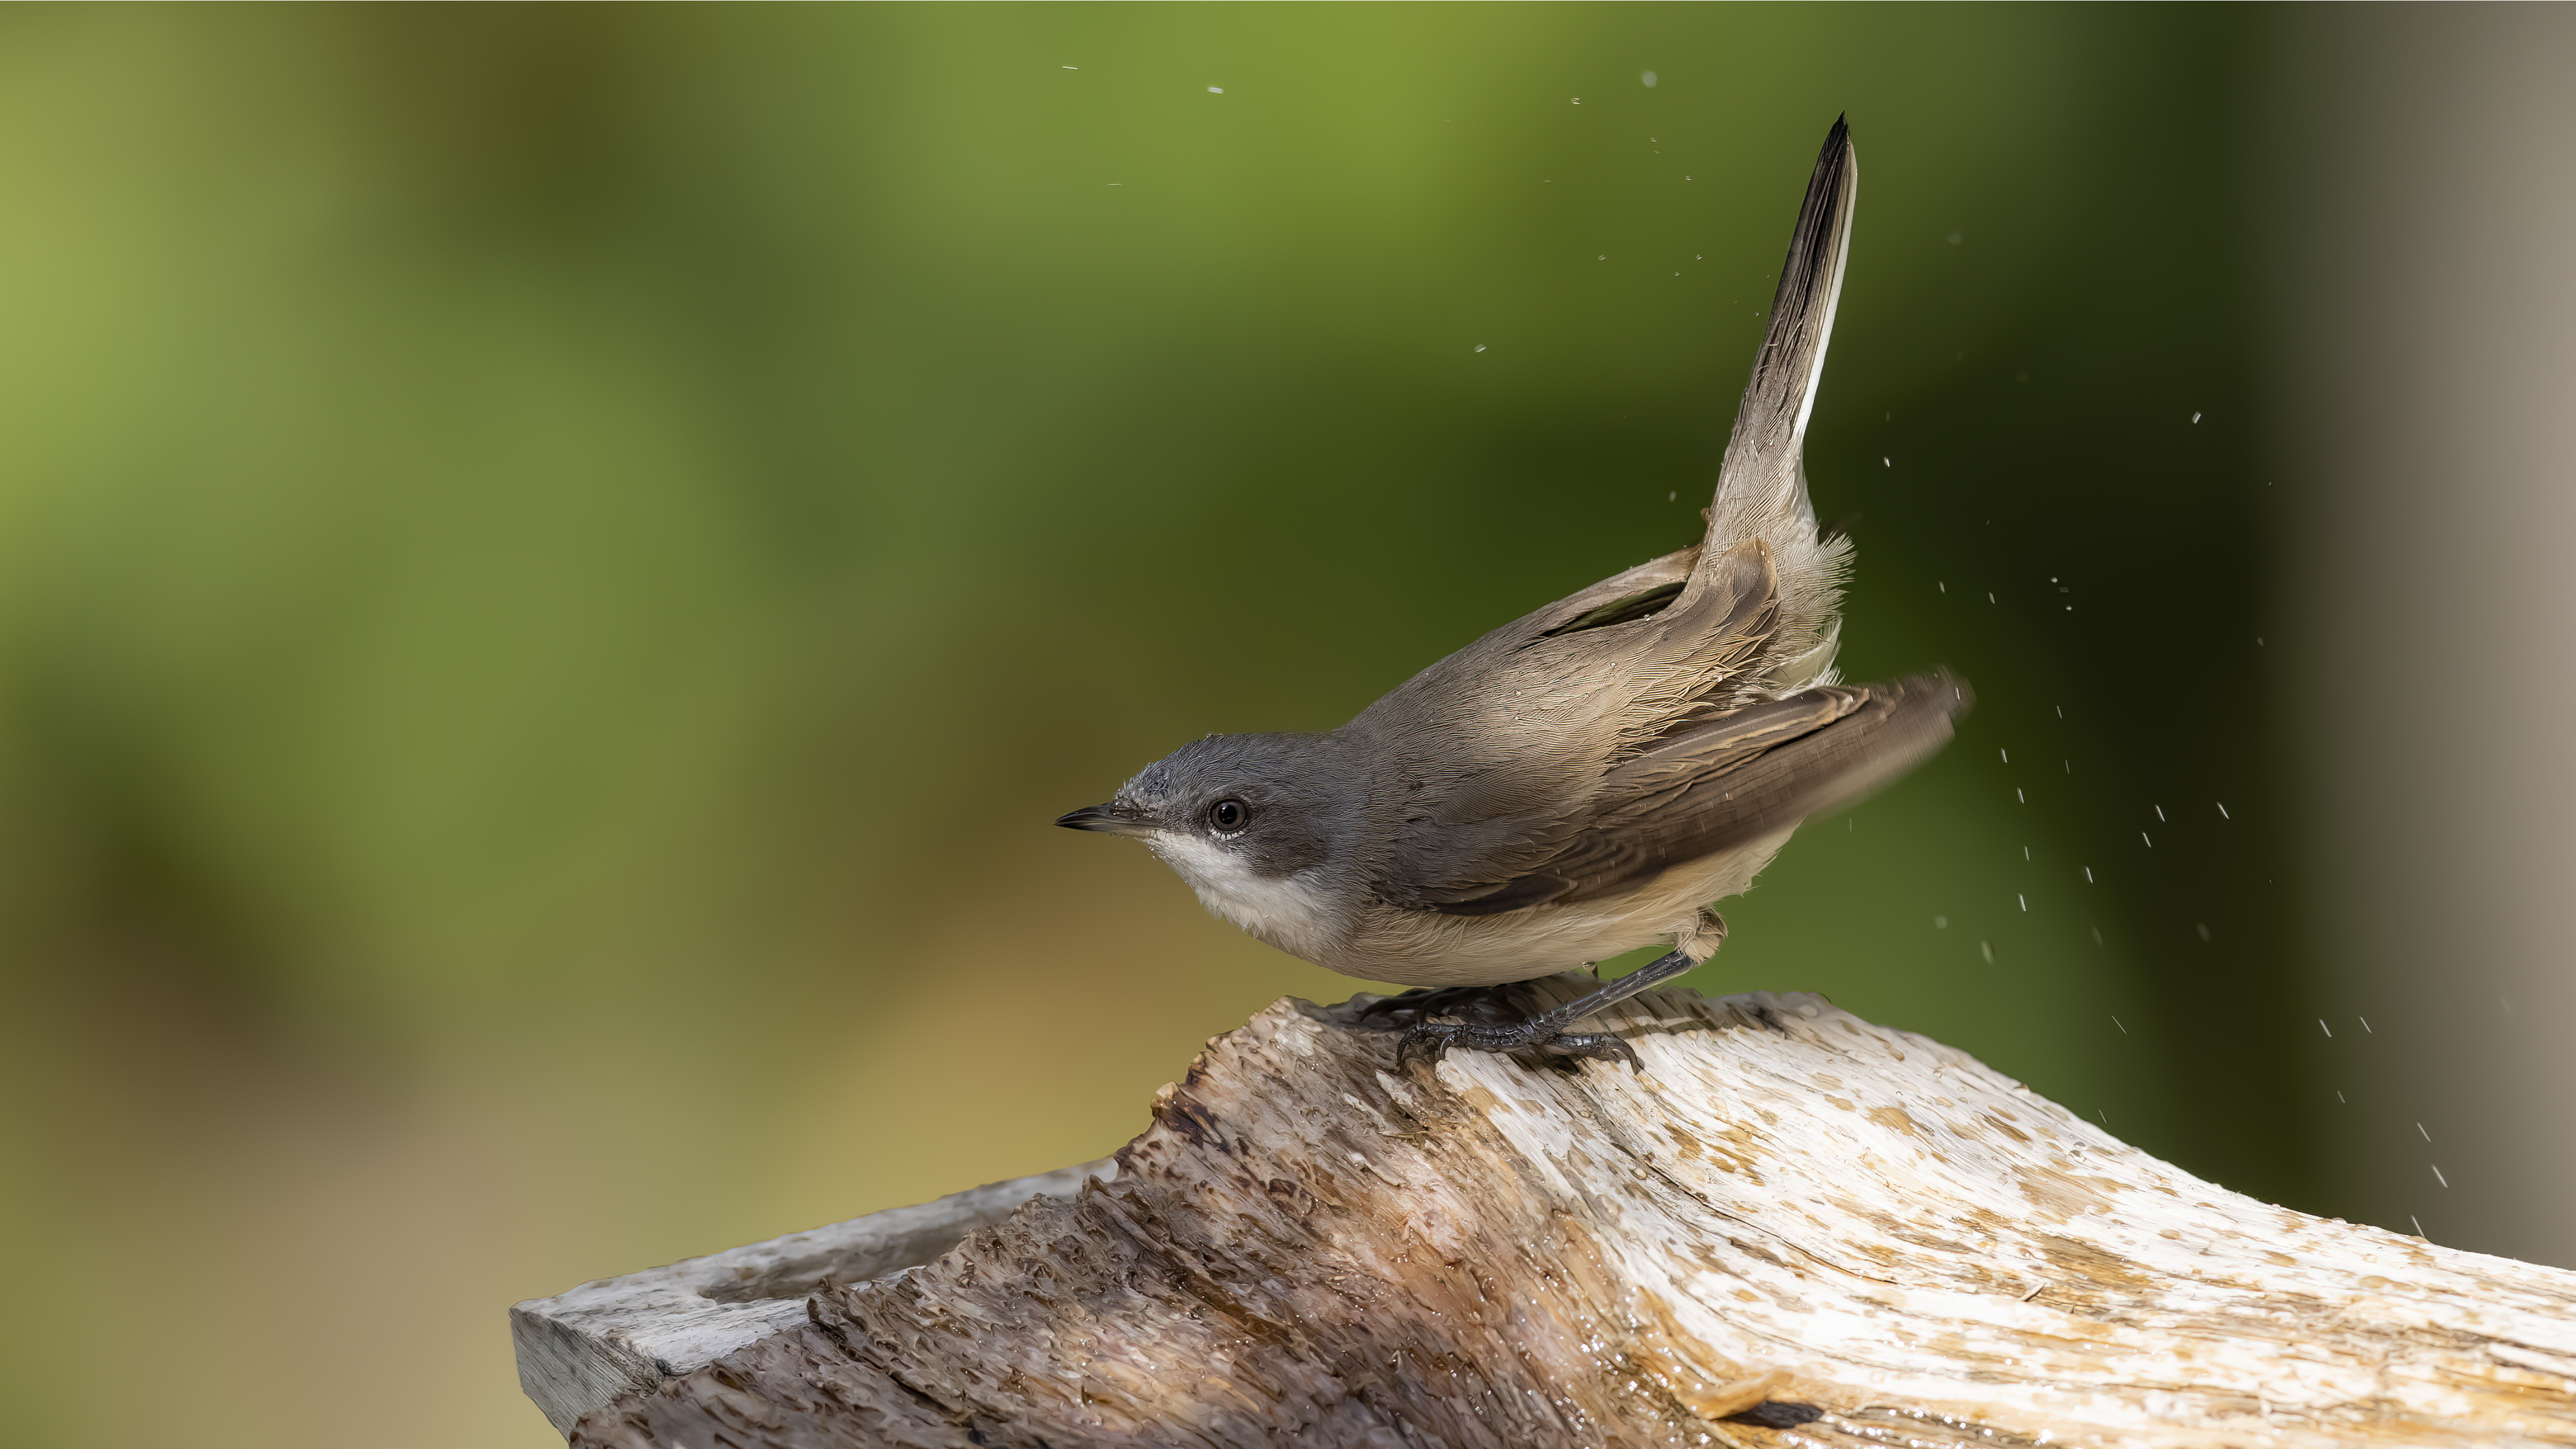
[1588,778]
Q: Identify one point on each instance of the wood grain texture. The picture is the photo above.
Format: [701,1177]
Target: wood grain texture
[585,1346]
[1793,1227]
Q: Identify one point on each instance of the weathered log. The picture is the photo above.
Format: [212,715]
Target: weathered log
[582,1348]
[1792,1227]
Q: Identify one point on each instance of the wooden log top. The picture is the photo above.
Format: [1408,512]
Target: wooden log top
[1793,1226]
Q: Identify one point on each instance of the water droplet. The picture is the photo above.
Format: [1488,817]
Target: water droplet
[1649,79]
[2115,1021]
[2321,1026]
[1940,923]
[1216,90]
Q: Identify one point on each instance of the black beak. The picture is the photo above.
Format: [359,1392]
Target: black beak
[1106,818]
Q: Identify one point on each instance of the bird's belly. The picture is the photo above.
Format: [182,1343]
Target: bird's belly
[1425,948]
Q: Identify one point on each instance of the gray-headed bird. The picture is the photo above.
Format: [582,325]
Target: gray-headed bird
[1588,778]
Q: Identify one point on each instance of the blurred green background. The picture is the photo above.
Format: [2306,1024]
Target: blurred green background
[556,564]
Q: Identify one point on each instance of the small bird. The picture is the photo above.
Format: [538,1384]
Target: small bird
[1588,778]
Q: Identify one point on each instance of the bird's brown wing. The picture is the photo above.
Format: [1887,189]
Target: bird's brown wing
[1751,773]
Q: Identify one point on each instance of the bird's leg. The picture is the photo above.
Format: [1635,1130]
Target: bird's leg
[1547,1030]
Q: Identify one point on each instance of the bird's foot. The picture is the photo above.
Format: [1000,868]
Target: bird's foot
[1546,1032]
[1490,1024]
[1430,1040]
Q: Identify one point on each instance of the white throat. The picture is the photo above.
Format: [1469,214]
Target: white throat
[1285,911]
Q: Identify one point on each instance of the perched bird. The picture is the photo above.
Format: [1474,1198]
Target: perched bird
[1588,778]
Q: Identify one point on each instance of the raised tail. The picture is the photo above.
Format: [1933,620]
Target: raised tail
[1762,485]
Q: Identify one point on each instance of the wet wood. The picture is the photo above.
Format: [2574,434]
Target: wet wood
[1793,1227]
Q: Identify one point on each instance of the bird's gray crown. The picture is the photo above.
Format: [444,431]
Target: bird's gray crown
[1278,801]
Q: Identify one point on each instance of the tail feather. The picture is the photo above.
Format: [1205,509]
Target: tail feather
[1763,461]
[1762,485]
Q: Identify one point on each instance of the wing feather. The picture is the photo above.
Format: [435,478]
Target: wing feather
[1750,774]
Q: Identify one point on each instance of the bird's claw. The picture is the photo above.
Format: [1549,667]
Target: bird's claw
[1600,1046]
[1429,1041]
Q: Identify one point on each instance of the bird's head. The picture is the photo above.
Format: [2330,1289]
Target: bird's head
[1246,820]
[1269,801]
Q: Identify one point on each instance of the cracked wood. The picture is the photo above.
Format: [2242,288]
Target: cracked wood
[1793,1227]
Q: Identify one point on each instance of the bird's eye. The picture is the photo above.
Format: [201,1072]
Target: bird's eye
[1229,815]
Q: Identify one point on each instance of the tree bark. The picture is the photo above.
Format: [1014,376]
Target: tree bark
[1792,1227]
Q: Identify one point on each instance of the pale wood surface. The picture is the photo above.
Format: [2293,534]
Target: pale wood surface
[1793,1227]
[585,1346]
